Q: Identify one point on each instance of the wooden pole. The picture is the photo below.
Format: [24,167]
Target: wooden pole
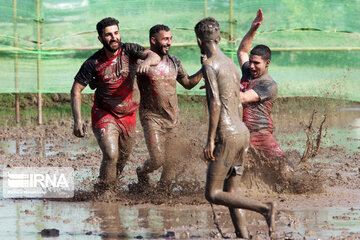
[231,31]
[17,98]
[231,20]
[40,120]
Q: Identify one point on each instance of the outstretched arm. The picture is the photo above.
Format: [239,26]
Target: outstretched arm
[214,106]
[188,82]
[245,45]
[79,128]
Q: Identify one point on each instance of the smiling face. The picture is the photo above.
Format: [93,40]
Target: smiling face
[258,66]
[110,38]
[161,42]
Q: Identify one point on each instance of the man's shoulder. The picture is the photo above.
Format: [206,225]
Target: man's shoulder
[131,46]
[175,59]
[265,79]
[91,61]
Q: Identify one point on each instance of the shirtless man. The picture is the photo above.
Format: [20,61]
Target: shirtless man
[228,137]
[159,111]
[111,72]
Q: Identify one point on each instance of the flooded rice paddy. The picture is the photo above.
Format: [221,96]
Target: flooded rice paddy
[332,214]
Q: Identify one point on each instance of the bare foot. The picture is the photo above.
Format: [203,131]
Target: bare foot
[270,218]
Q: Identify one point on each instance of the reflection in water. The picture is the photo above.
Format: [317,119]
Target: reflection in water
[44,148]
[24,219]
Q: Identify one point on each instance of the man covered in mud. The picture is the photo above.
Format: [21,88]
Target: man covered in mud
[228,137]
[159,111]
[111,72]
[258,95]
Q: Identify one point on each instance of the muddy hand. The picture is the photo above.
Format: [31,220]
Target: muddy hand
[79,129]
[143,67]
[203,58]
[208,151]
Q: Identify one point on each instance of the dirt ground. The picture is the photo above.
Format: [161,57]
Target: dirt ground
[329,180]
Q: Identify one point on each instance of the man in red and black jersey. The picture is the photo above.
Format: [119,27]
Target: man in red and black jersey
[258,93]
[111,72]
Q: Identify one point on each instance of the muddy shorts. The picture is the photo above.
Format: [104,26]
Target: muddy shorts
[230,157]
[100,119]
[265,142]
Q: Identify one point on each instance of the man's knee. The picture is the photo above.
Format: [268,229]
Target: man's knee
[111,156]
[211,196]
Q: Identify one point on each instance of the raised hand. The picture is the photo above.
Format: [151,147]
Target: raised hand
[258,20]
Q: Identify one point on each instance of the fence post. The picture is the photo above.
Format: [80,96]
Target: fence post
[40,120]
[17,98]
[231,31]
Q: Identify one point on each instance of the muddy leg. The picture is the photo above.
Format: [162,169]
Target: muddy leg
[171,157]
[126,144]
[214,193]
[155,145]
[270,218]
[108,141]
[238,216]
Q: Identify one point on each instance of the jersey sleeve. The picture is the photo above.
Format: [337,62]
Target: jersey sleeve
[135,51]
[180,69]
[86,74]
[266,90]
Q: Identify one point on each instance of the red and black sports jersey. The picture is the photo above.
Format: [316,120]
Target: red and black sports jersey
[257,114]
[113,79]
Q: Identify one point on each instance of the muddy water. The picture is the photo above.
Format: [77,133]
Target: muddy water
[24,219]
[335,212]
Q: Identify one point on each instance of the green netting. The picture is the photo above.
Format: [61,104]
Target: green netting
[316,44]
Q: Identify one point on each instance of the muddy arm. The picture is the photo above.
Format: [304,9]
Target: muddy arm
[249,96]
[79,129]
[150,59]
[245,45]
[214,106]
[189,82]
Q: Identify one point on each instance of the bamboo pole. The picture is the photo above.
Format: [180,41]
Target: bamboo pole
[17,97]
[205,8]
[231,31]
[40,120]
[231,20]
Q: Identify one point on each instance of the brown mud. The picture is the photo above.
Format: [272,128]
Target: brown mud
[330,180]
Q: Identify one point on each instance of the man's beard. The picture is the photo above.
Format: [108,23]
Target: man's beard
[160,49]
[109,48]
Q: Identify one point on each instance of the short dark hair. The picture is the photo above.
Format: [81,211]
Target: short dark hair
[157,28]
[207,26]
[106,22]
[262,51]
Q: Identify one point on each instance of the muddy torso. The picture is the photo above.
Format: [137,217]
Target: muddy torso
[228,84]
[257,115]
[158,92]
[113,79]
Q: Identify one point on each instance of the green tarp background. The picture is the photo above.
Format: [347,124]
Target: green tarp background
[316,44]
